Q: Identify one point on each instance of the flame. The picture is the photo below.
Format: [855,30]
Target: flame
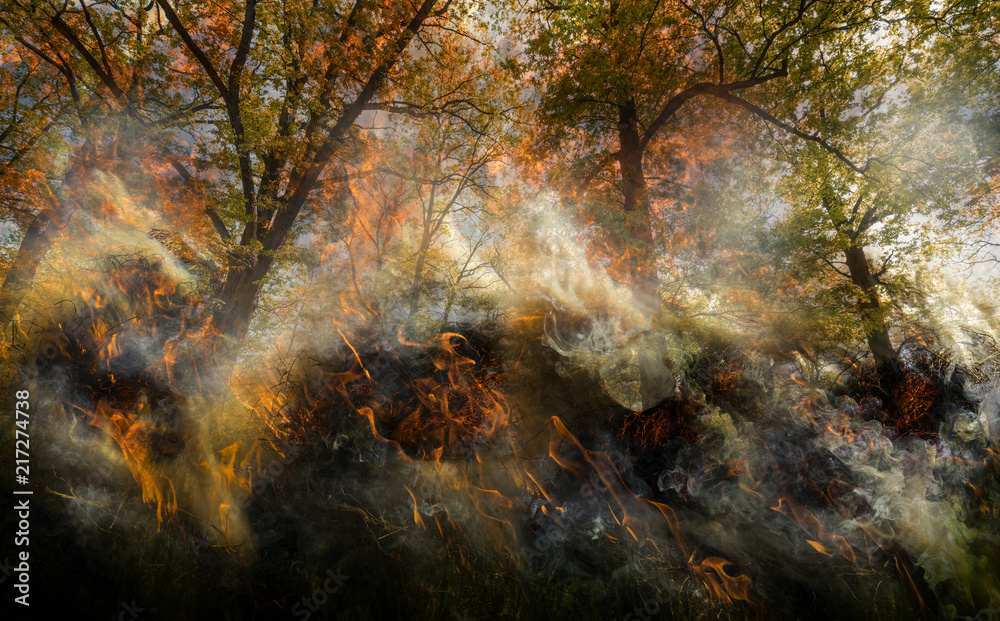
[448,412]
[132,437]
[721,585]
[223,494]
[820,539]
[468,472]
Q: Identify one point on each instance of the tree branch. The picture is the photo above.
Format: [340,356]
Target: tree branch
[188,178]
[192,46]
[822,142]
[885,266]
[306,181]
[835,268]
[704,88]
[78,45]
[239,61]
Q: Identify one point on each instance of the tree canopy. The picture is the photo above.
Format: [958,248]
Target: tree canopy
[237,113]
[719,255]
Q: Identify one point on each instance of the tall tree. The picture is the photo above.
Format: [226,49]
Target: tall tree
[621,83]
[265,97]
[923,179]
[615,77]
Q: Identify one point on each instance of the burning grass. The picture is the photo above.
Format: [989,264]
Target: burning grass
[483,473]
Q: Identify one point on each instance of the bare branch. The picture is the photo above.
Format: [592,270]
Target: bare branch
[195,50]
[834,267]
[188,178]
[791,129]
[723,91]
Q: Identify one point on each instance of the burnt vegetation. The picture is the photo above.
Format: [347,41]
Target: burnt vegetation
[634,310]
[343,423]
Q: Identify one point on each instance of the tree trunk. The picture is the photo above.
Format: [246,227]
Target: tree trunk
[418,276]
[656,380]
[34,246]
[425,244]
[638,250]
[38,238]
[887,361]
[240,296]
[241,291]
[448,304]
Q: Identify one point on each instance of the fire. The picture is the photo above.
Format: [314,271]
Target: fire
[461,442]
[453,441]
[133,438]
[820,539]
[454,410]
[129,348]
[223,495]
[443,412]
[720,584]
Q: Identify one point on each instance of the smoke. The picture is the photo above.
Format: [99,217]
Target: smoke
[496,470]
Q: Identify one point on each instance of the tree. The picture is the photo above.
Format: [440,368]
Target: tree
[968,55]
[923,186]
[256,111]
[427,181]
[622,82]
[451,179]
[614,78]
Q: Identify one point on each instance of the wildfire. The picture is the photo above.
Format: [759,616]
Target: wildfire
[520,451]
